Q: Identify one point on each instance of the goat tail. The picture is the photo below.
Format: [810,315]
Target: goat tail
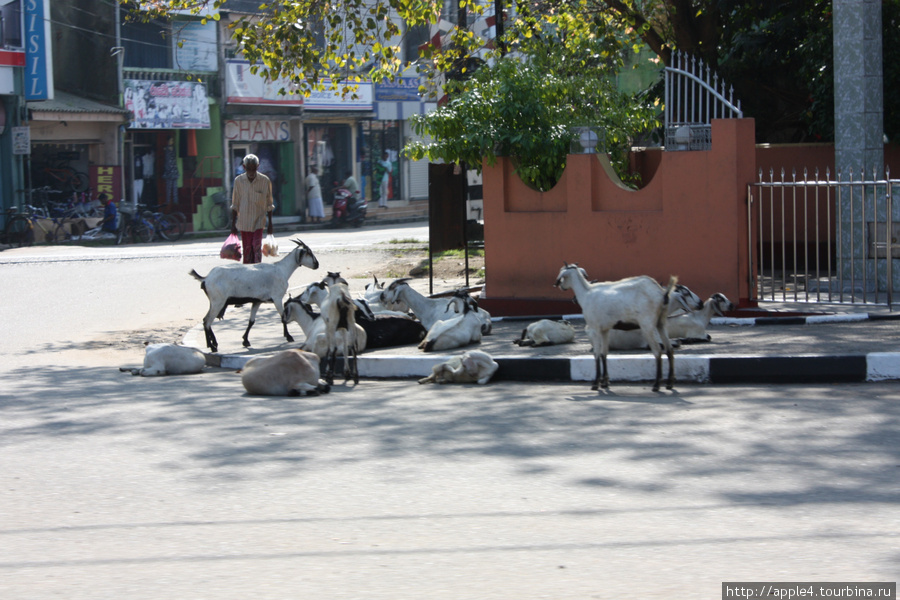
[196,275]
[673,281]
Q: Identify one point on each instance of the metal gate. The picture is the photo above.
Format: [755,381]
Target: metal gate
[823,240]
[694,97]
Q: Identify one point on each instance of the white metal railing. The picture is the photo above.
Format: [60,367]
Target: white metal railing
[823,240]
[694,97]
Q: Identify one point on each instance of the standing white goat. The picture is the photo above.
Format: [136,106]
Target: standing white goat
[313,326]
[637,301]
[339,313]
[289,373]
[237,284]
[473,366]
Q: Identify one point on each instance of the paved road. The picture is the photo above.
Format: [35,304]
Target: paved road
[117,487]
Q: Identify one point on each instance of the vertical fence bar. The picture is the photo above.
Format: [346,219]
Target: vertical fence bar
[828,237]
[862,228]
[783,243]
[889,207]
[794,235]
[840,225]
[751,286]
[806,234]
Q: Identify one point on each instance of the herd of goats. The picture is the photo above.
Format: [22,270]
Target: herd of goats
[632,313]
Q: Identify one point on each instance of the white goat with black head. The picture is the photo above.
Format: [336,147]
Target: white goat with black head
[428,310]
[238,284]
[637,301]
[455,332]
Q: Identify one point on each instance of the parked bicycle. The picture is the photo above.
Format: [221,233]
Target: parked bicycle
[133,226]
[21,228]
[65,178]
[166,226]
[220,211]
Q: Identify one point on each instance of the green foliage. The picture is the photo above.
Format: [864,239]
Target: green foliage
[316,44]
[528,104]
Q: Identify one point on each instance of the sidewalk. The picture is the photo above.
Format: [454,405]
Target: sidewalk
[852,345]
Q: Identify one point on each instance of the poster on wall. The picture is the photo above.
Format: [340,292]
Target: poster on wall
[167,104]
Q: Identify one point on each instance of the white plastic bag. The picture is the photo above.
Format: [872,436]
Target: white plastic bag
[270,246]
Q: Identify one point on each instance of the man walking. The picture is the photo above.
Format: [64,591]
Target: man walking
[251,201]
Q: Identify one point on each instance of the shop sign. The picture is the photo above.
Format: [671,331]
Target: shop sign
[106,180]
[194,46]
[402,89]
[21,139]
[167,104]
[244,87]
[257,130]
[332,100]
[38,67]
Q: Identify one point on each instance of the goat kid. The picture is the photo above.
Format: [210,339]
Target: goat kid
[289,373]
[169,359]
[473,366]
[637,301]
[238,284]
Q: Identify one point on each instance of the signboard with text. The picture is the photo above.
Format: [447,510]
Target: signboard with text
[38,66]
[106,180]
[167,104]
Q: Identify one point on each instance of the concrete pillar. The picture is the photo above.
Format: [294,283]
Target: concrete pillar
[858,87]
[859,135]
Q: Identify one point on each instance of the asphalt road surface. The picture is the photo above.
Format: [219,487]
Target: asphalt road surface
[119,487]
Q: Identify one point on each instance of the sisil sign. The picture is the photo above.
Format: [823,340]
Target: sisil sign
[38,68]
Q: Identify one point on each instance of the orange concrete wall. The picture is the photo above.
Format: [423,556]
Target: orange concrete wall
[690,220]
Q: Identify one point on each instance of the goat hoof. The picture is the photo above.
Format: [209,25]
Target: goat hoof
[289,338]
[655,388]
[246,344]
[595,387]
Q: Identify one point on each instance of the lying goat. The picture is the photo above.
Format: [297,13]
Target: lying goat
[688,328]
[237,284]
[454,332]
[288,373]
[546,332]
[428,310]
[169,359]
[473,366]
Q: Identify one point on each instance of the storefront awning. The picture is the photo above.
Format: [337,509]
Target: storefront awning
[66,106]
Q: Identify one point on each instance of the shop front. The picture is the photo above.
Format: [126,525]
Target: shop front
[75,147]
[171,137]
[272,141]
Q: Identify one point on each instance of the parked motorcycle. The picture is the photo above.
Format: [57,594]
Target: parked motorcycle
[346,209]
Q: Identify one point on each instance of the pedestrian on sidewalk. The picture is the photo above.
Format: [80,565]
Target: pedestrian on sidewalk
[386,165]
[314,196]
[251,201]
